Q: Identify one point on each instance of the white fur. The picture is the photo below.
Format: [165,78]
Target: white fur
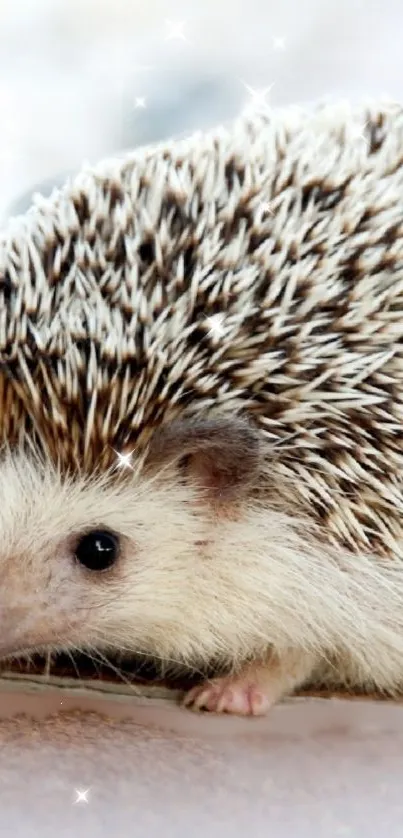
[264,581]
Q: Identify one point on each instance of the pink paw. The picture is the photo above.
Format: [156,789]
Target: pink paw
[229,695]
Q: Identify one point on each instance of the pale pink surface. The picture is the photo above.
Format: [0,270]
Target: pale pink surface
[318,769]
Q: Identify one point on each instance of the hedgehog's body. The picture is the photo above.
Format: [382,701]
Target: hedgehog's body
[289,234]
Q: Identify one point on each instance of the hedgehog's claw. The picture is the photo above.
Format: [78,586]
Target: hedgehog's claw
[256,688]
[239,696]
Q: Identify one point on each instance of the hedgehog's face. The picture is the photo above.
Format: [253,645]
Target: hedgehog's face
[139,564]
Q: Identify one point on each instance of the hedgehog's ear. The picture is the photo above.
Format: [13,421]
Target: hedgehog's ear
[222,454]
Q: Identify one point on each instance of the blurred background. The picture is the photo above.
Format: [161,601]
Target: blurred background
[82,79]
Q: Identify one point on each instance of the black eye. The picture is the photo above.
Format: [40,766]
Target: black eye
[98,550]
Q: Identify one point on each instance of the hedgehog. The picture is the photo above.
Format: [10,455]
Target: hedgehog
[201,424]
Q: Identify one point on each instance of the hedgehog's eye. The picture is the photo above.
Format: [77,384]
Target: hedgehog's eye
[97,550]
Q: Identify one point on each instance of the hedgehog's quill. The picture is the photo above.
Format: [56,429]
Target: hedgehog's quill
[259,520]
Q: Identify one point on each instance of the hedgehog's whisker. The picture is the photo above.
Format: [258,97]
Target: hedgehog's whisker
[138,653]
[70,655]
[96,656]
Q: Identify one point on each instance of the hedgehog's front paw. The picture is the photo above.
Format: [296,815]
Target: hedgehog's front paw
[237,695]
[255,689]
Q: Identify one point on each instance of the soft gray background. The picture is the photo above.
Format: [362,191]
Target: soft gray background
[71,70]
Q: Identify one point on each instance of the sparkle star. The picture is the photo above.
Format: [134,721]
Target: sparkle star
[266,207]
[358,132]
[215,326]
[278,43]
[259,97]
[176,30]
[82,796]
[140,102]
[124,460]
